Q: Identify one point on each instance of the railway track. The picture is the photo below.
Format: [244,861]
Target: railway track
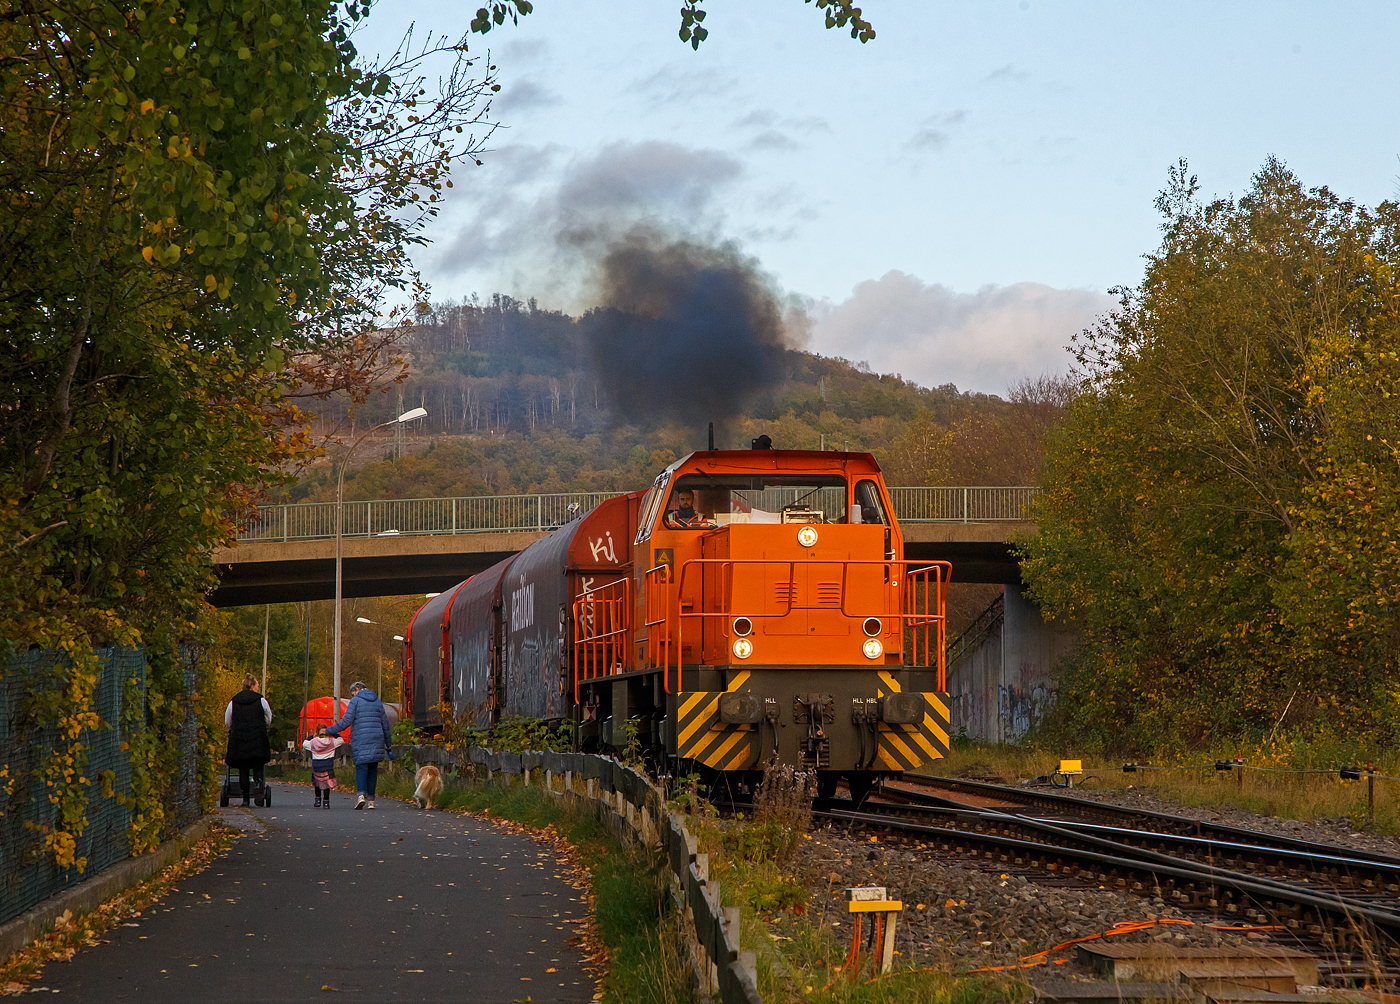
[918,787]
[1345,903]
[1362,876]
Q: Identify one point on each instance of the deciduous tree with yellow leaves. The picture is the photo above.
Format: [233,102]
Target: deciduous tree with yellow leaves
[203,207]
[1220,512]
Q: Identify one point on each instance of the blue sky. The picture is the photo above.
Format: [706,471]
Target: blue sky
[950,201]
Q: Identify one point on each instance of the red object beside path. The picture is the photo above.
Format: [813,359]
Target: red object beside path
[318,712]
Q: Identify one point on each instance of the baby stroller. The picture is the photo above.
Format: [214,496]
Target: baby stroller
[259,790]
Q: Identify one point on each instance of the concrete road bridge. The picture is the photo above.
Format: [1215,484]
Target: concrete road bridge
[399,546]
[1001,669]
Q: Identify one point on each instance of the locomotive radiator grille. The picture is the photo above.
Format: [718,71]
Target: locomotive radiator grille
[904,747]
[702,736]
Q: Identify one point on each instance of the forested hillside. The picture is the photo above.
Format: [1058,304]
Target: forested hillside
[517,404]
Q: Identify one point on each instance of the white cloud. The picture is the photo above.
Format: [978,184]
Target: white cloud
[772,139]
[524,96]
[1005,74]
[981,341]
[682,83]
[935,132]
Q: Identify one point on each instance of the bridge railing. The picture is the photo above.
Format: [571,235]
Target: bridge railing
[950,504]
[498,513]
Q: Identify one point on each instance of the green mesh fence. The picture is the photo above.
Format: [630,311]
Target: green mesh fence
[26,878]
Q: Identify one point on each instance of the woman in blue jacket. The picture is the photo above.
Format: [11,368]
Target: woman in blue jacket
[370,739]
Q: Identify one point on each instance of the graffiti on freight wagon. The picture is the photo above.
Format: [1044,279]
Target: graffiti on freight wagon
[522,606]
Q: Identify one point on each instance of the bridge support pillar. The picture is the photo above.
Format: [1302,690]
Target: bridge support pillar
[1001,686]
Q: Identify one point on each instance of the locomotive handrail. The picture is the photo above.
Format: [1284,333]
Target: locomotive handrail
[908,614]
[545,511]
[664,580]
[589,643]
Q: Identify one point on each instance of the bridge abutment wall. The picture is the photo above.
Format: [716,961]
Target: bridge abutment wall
[1001,686]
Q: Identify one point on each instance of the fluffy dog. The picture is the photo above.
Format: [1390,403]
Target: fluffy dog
[429,781]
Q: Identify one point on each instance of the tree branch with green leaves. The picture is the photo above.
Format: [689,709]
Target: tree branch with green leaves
[836,14]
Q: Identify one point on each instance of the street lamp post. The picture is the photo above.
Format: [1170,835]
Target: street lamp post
[399,638]
[379,660]
[407,416]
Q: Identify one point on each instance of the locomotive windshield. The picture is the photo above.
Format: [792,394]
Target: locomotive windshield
[704,501]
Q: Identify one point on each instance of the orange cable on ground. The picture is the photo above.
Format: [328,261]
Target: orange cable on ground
[852,956]
[1122,927]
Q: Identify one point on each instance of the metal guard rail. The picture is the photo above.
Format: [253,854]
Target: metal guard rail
[537,513]
[663,591]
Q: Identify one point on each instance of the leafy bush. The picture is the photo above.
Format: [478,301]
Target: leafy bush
[767,892]
[760,842]
[518,734]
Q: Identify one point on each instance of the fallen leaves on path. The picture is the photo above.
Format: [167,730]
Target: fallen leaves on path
[70,933]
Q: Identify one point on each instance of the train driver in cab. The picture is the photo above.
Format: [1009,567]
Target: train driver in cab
[684,516]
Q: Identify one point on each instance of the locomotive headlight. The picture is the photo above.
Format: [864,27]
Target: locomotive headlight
[872,626]
[807,536]
[743,648]
[743,626]
[872,648]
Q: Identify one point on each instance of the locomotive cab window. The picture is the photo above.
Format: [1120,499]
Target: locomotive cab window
[707,501]
[868,506]
[649,506]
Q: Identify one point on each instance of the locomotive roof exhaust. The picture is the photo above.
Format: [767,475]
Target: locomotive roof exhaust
[712,437]
[763,442]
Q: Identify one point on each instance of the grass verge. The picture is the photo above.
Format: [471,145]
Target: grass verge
[1190,779]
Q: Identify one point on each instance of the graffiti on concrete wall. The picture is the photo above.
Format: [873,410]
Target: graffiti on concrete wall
[1002,687]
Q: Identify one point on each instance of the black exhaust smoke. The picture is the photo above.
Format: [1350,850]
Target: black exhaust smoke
[684,330]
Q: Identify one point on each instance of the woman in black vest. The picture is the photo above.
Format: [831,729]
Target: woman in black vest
[248,715]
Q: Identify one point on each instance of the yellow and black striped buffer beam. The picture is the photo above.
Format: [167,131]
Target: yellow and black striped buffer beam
[904,747]
[700,735]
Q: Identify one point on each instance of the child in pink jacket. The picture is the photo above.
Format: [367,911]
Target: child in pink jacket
[322,749]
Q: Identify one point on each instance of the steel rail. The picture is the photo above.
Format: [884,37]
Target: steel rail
[1283,902]
[1358,876]
[1340,857]
[1119,845]
[1183,825]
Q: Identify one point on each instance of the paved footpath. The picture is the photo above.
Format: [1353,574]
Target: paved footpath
[390,904]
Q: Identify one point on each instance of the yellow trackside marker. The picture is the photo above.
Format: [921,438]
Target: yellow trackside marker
[739,681]
[716,757]
[691,701]
[875,906]
[890,681]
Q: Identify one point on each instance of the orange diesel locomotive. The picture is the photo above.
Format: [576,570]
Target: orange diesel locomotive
[750,603]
